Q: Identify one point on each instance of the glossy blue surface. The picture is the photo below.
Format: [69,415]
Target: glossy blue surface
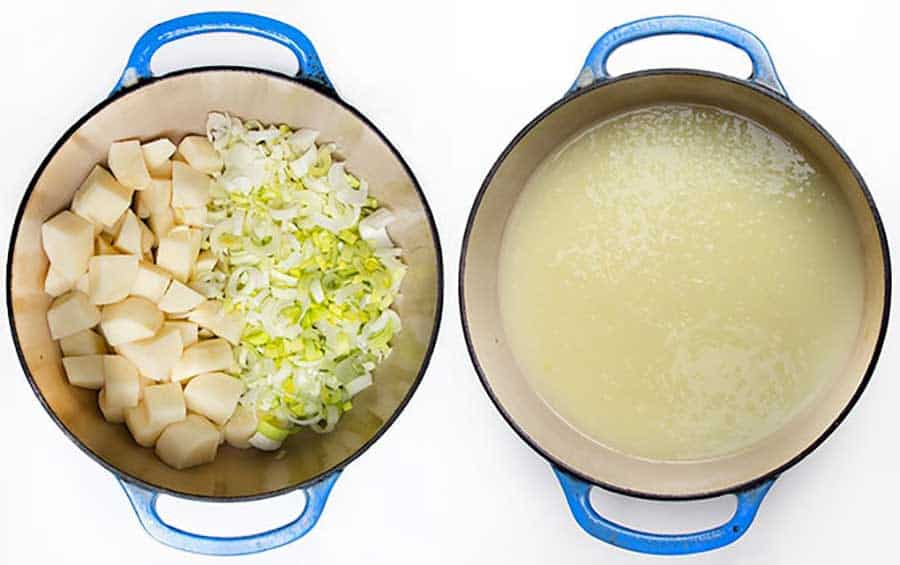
[764,73]
[578,495]
[138,67]
[144,503]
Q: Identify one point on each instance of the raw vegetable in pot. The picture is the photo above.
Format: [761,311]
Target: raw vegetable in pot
[247,296]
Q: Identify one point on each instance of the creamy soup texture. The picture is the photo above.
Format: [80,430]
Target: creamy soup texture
[678,282]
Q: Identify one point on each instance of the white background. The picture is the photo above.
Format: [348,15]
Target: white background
[450,84]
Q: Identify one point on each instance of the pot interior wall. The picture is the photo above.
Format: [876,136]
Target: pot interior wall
[515,397]
[173,107]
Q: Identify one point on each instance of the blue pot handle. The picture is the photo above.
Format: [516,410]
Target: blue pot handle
[764,73]
[138,67]
[144,503]
[578,496]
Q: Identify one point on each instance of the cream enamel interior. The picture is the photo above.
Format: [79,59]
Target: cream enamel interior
[510,387]
[173,107]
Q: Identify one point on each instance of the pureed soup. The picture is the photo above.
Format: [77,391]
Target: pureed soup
[678,282]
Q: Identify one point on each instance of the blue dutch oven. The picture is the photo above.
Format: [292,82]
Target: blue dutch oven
[580,463]
[146,107]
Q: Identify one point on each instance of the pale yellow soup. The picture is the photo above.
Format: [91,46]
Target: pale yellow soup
[678,282]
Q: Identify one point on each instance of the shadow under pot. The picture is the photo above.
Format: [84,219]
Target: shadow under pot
[146,107]
[609,300]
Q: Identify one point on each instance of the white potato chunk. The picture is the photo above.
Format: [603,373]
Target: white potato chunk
[140,206]
[111,277]
[68,242]
[241,427]
[191,442]
[136,421]
[71,313]
[161,223]
[203,357]
[157,154]
[206,262]
[212,316]
[188,331]
[214,395]
[129,238]
[85,371]
[179,298]
[178,251]
[151,282]
[56,284]
[130,320]
[190,187]
[191,216]
[155,356]
[121,388]
[157,198]
[85,342]
[83,284]
[126,161]
[165,404]
[200,154]
[103,246]
[101,198]
[148,238]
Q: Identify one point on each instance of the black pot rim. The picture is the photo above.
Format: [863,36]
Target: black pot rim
[327,92]
[770,475]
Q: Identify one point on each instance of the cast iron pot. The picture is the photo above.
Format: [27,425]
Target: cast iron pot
[146,107]
[579,462]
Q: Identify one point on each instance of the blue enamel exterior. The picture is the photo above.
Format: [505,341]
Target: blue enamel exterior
[764,73]
[138,67]
[144,503]
[310,68]
[578,495]
[577,491]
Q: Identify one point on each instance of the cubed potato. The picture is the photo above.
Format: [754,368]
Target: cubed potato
[151,282]
[103,246]
[71,313]
[85,371]
[241,427]
[205,263]
[191,216]
[158,196]
[190,187]
[129,238]
[137,423]
[85,342]
[214,395]
[188,331]
[200,154]
[165,404]
[179,298]
[203,357]
[140,206]
[178,251]
[55,284]
[191,442]
[162,223]
[83,284]
[148,238]
[101,198]
[126,161]
[121,388]
[157,154]
[212,316]
[132,319]
[111,277]
[68,242]
[156,355]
